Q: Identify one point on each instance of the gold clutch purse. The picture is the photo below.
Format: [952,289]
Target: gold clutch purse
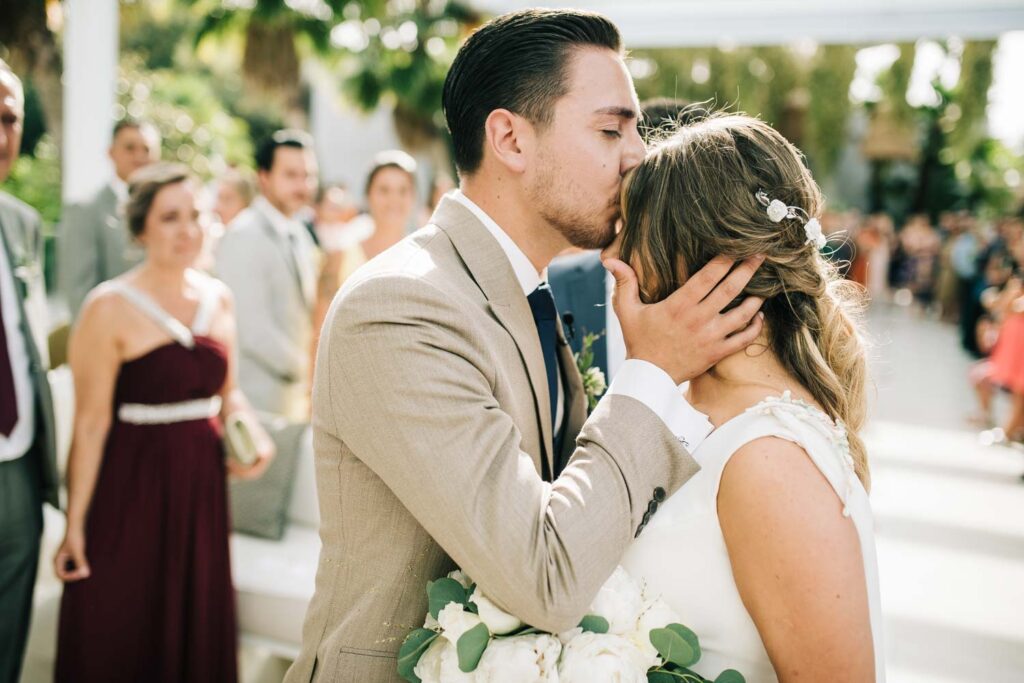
[240,439]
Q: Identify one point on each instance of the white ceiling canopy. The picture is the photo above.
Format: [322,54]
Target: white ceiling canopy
[693,23]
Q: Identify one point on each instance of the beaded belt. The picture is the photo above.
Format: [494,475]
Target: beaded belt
[169,413]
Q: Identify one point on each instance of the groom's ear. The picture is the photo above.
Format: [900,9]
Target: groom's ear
[507,138]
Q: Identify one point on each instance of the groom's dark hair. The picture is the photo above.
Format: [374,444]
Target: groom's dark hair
[518,61]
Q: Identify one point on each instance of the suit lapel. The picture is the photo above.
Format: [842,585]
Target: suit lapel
[575,399]
[288,254]
[491,270]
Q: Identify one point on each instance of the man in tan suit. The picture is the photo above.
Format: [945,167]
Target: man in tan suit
[446,403]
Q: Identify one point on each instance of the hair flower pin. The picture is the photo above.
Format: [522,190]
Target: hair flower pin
[814,234]
[778,211]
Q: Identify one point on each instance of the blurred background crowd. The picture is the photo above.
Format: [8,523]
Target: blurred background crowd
[312,132]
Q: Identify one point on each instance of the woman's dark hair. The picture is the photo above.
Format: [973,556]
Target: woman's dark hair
[143,187]
[519,62]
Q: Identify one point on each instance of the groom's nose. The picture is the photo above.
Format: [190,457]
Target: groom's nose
[635,150]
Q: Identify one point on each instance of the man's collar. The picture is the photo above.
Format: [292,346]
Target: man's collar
[120,189]
[526,274]
[281,223]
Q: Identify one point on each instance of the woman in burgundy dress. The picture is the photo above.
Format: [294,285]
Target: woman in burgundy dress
[148,594]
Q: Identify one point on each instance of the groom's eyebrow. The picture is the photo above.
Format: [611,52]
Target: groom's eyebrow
[622,112]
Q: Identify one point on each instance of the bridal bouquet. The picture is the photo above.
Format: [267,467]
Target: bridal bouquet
[626,638]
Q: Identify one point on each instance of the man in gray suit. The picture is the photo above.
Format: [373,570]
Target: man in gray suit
[28,472]
[269,261]
[446,405]
[93,242]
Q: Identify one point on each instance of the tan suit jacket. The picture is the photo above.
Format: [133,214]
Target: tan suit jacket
[431,422]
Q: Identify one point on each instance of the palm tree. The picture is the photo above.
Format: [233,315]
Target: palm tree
[34,53]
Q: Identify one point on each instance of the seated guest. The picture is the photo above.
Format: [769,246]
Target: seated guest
[148,593]
[93,245]
[390,204]
[269,261]
[28,471]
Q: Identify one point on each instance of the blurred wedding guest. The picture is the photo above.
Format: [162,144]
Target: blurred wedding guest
[1004,369]
[441,185]
[93,244]
[148,593]
[334,212]
[390,205]
[920,244]
[269,261]
[875,241]
[236,189]
[28,472]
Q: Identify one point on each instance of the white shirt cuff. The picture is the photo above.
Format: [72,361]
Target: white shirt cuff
[652,386]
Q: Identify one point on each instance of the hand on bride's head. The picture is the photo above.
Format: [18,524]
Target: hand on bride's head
[690,330]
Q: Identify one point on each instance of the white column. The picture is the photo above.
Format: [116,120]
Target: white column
[90,82]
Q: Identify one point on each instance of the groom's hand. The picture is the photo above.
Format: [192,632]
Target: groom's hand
[687,333]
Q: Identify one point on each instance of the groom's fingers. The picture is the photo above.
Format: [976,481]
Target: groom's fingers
[627,291]
[738,318]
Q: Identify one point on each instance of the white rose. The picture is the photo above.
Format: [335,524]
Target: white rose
[440,664]
[454,620]
[619,601]
[777,211]
[461,577]
[431,623]
[498,620]
[521,659]
[812,229]
[602,658]
[656,614]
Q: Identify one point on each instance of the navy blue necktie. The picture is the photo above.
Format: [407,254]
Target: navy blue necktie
[545,316]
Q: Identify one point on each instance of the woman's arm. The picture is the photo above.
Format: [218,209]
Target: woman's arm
[94,354]
[233,398]
[797,563]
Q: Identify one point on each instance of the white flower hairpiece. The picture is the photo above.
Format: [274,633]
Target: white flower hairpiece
[778,211]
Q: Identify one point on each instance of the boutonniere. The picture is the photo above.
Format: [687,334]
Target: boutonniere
[26,269]
[594,383]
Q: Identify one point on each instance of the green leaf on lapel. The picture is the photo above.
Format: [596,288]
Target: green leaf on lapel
[594,624]
[676,644]
[443,591]
[471,647]
[415,644]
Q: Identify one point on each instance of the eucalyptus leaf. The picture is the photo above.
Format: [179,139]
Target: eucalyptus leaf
[443,591]
[690,637]
[471,647]
[415,644]
[730,676]
[661,677]
[594,624]
[672,646]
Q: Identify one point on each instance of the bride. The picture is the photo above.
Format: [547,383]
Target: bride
[768,552]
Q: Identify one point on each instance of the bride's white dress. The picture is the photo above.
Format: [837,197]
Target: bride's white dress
[682,557]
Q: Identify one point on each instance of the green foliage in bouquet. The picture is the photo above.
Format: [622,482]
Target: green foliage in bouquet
[680,649]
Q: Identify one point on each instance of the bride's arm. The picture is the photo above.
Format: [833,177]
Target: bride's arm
[797,563]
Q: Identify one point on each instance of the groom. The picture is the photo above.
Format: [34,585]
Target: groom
[449,418]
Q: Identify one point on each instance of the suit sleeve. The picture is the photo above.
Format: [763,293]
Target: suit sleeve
[259,338]
[412,395]
[78,254]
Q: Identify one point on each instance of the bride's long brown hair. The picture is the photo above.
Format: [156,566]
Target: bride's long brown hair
[694,197]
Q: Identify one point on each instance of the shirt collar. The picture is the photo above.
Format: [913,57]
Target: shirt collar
[528,277]
[282,224]
[120,189]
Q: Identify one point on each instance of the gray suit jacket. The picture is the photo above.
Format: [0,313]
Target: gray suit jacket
[578,283]
[273,308]
[93,246]
[21,232]
[430,424]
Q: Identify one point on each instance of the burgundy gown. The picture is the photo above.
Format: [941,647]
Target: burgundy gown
[159,604]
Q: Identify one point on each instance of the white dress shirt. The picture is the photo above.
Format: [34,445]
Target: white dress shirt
[638,379]
[17,443]
[120,189]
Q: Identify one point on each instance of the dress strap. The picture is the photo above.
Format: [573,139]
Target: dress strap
[176,329]
[208,297]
